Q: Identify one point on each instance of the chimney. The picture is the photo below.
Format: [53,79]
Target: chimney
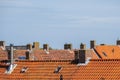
[82,46]
[45,47]
[28,55]
[2,44]
[65,46]
[11,54]
[68,46]
[92,44]
[76,56]
[29,46]
[36,45]
[82,56]
[118,42]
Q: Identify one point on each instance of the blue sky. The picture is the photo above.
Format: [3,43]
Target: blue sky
[57,22]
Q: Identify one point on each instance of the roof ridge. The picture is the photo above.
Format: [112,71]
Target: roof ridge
[44,60]
[105,60]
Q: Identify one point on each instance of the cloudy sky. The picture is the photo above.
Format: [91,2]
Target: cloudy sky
[57,22]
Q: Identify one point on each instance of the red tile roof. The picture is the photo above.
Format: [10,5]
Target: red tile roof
[108,51]
[96,69]
[3,55]
[104,69]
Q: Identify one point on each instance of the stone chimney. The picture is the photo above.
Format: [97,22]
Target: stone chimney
[92,44]
[29,46]
[82,46]
[2,44]
[118,42]
[46,47]
[36,45]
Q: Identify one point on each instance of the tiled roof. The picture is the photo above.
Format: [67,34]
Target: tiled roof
[104,69]
[3,55]
[54,55]
[96,69]
[41,70]
[108,51]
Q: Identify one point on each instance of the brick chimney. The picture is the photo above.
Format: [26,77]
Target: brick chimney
[2,44]
[92,44]
[118,42]
[36,45]
[82,56]
[29,46]
[28,55]
[46,47]
[76,56]
[68,46]
[82,46]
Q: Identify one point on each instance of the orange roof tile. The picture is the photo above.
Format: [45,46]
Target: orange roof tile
[3,55]
[96,69]
[108,69]
[108,51]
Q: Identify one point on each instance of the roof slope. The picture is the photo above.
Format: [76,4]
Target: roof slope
[41,70]
[3,55]
[108,51]
[96,69]
[107,69]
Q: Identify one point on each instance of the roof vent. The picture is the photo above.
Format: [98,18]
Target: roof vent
[57,70]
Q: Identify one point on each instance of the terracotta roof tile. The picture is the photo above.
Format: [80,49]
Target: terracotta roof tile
[96,69]
[108,51]
[99,69]
[3,55]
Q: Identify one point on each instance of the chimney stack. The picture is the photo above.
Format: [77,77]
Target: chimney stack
[2,44]
[92,44]
[36,45]
[118,42]
[45,47]
[82,46]
[82,56]
[29,46]
[76,56]
[28,55]
[68,46]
